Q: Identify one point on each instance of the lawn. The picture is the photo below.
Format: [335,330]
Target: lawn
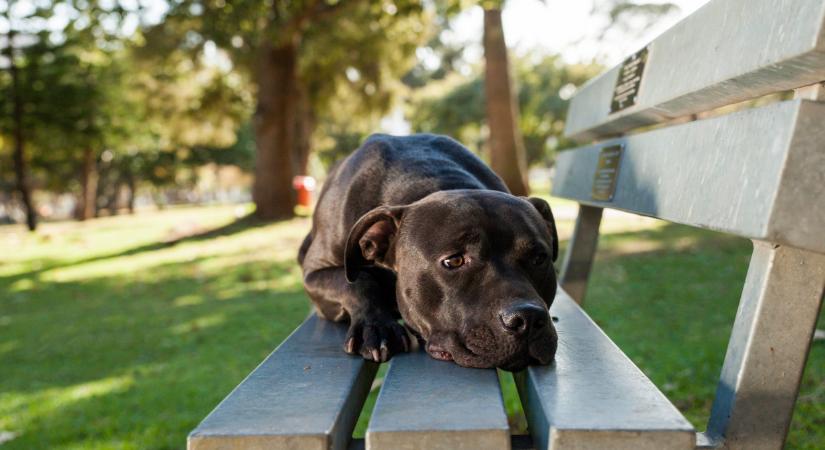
[125,332]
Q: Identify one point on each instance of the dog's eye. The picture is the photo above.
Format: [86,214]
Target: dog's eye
[539,258]
[453,262]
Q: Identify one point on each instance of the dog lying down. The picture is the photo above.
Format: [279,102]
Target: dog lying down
[417,228]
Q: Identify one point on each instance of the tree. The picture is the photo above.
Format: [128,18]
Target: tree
[57,84]
[49,98]
[14,93]
[630,18]
[507,157]
[457,106]
[296,66]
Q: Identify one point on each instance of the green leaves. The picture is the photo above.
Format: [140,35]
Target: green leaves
[456,107]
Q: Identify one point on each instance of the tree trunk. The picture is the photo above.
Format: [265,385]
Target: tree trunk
[132,185]
[304,127]
[89,179]
[113,201]
[21,170]
[507,155]
[275,131]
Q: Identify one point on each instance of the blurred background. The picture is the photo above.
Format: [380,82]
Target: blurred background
[112,106]
[159,159]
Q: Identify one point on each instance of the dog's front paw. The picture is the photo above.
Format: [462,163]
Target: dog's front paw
[376,339]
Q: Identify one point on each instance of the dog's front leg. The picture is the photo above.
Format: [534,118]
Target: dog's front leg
[369,305]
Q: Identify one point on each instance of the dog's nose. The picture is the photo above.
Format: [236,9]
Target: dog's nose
[520,318]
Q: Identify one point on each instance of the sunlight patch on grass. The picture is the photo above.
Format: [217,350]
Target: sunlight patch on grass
[99,387]
[642,245]
[199,324]
[18,410]
[25,284]
[188,300]
[272,244]
[8,346]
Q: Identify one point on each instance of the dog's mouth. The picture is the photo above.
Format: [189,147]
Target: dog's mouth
[539,350]
[439,352]
[452,348]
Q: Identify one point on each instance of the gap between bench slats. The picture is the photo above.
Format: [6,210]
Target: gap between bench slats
[747,173]
[307,394]
[726,52]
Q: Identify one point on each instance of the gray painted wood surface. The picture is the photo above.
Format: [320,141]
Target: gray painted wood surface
[578,260]
[756,173]
[726,52]
[593,396]
[768,348]
[307,394]
[425,403]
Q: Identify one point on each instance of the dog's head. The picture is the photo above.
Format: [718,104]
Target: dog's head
[475,274]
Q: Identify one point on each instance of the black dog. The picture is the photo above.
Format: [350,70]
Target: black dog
[419,226]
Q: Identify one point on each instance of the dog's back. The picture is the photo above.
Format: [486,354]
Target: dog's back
[391,170]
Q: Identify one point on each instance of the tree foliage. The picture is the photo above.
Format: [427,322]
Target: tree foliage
[629,17]
[545,84]
[88,93]
[297,68]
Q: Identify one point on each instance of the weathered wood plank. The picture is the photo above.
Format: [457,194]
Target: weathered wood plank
[425,403]
[593,396]
[755,173]
[307,394]
[726,52]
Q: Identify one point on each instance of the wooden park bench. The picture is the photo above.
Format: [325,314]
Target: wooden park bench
[757,173]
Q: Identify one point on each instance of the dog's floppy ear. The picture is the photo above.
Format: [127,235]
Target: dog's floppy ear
[371,239]
[544,210]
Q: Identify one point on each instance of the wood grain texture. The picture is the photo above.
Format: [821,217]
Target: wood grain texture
[755,173]
[593,396]
[726,52]
[425,403]
[307,394]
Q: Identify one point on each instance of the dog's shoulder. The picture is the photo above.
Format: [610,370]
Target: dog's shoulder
[390,149]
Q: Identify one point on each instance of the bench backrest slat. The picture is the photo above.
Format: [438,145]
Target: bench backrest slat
[425,403]
[726,52]
[756,173]
[306,394]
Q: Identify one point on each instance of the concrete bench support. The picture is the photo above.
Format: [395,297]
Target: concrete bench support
[768,348]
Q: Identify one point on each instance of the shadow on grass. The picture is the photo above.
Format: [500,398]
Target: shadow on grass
[136,361]
[245,223]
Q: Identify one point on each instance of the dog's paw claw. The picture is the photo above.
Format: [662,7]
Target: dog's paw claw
[376,341]
[349,346]
[385,351]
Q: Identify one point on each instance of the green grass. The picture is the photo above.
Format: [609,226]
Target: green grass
[110,338]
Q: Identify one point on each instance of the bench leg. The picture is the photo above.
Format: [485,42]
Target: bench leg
[579,257]
[768,348]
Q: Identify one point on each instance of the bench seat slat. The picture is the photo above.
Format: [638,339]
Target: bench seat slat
[593,396]
[307,394]
[425,403]
[749,173]
[726,52]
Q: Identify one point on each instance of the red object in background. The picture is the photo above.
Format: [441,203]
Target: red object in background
[304,185]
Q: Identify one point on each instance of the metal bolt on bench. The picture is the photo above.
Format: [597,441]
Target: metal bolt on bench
[756,173]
